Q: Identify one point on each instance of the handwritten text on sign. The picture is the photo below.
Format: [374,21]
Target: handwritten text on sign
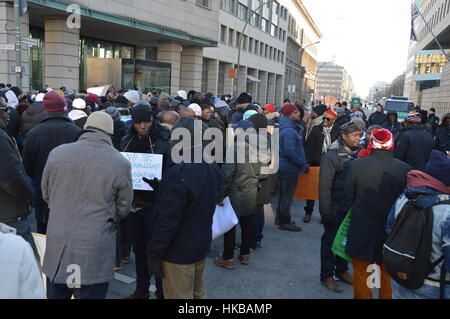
[144,165]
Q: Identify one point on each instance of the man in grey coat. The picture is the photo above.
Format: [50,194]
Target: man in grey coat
[88,187]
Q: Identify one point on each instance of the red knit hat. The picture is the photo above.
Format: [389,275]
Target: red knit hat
[54,103]
[381,139]
[331,113]
[270,108]
[288,109]
[92,97]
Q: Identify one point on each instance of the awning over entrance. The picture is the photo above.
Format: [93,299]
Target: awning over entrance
[251,79]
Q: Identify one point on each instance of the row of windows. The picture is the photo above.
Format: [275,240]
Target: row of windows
[250,45]
[266,18]
[437,17]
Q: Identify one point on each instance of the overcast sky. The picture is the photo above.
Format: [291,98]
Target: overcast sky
[370,38]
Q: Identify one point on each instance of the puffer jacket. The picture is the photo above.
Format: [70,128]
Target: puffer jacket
[31,117]
[414,147]
[292,152]
[20,277]
[377,118]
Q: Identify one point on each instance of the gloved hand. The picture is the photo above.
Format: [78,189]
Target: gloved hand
[153,183]
[154,267]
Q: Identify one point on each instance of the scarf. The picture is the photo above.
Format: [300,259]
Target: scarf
[327,138]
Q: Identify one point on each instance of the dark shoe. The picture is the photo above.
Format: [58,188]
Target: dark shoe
[126,260]
[277,222]
[258,245]
[307,219]
[238,247]
[291,227]
[245,260]
[228,264]
[346,277]
[332,285]
[139,295]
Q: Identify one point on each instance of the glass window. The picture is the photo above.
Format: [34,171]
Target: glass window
[242,9]
[244,42]
[273,30]
[227,5]
[250,45]
[221,80]
[238,34]
[256,47]
[223,34]
[205,75]
[230,37]
[203,3]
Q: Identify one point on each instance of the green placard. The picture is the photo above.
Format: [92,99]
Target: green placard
[340,241]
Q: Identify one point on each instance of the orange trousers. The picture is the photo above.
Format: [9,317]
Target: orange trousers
[363,285]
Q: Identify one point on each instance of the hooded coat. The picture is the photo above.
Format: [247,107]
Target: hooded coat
[292,152]
[377,118]
[31,117]
[394,127]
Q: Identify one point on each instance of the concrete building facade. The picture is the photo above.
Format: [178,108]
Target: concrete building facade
[428,71]
[333,80]
[377,88]
[153,39]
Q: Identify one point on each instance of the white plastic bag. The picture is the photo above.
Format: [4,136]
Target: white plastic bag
[224,219]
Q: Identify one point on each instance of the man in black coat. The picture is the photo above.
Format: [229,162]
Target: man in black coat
[145,136]
[333,204]
[16,193]
[373,185]
[55,129]
[183,231]
[378,117]
[319,141]
[415,144]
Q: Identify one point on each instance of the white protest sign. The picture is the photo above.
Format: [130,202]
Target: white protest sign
[144,165]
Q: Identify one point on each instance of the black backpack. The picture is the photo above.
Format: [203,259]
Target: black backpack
[407,251]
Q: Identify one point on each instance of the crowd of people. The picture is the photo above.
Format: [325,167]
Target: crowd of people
[60,153]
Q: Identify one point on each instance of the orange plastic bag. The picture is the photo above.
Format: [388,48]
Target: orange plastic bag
[308,185]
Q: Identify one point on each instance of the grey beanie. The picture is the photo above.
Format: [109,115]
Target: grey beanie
[113,112]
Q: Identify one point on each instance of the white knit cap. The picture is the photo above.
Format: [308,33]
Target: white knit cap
[79,104]
[40,97]
[133,96]
[196,108]
[100,121]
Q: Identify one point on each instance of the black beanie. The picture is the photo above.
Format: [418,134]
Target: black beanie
[141,112]
[120,101]
[259,121]
[244,98]
[320,109]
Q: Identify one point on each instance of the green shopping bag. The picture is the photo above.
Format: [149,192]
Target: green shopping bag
[340,241]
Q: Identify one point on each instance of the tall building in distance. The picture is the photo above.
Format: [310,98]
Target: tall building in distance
[377,88]
[428,72]
[334,81]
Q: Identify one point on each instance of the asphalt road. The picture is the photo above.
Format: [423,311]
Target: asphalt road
[286,267]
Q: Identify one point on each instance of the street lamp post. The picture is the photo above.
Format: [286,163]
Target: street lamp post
[235,89]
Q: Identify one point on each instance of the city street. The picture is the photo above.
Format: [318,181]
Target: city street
[286,267]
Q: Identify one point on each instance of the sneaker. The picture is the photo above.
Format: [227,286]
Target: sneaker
[245,260]
[139,295]
[290,227]
[227,264]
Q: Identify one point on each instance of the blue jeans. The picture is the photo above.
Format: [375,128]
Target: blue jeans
[61,291]
[140,226]
[288,185]
[258,225]
[424,292]
[23,229]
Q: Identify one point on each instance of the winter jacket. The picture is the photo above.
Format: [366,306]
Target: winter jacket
[377,118]
[292,153]
[188,197]
[442,141]
[120,131]
[314,143]
[241,180]
[373,185]
[273,118]
[14,122]
[82,223]
[237,116]
[342,120]
[221,114]
[425,196]
[15,192]
[414,147]
[20,277]
[394,127]
[54,130]
[31,117]
[333,173]
[156,143]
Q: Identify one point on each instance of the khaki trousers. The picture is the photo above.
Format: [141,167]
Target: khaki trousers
[360,285]
[184,281]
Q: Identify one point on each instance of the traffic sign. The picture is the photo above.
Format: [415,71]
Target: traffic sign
[30,41]
[7,47]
